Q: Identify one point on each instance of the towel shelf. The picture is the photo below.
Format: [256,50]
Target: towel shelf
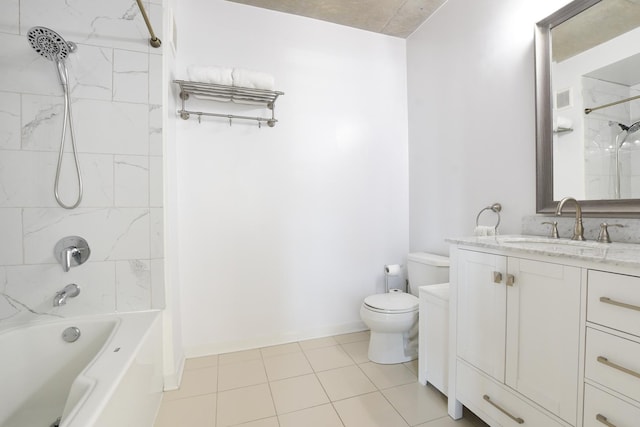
[236,94]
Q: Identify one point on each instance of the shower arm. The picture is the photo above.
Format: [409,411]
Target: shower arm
[153,41]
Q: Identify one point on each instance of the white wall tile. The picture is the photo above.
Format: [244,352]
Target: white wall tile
[155,79]
[115,23]
[90,72]
[112,234]
[133,285]
[27,179]
[11,248]
[157,284]
[112,127]
[130,76]
[155,130]
[155,181]
[131,181]
[156,219]
[10,16]
[35,286]
[9,120]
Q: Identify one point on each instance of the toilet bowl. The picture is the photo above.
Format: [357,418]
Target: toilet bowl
[393,317]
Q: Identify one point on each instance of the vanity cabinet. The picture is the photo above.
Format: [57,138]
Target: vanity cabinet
[612,356]
[518,324]
[540,338]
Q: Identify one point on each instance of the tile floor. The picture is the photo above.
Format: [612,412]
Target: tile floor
[326,382]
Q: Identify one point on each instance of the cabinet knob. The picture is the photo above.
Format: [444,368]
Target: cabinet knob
[511,279]
[497,277]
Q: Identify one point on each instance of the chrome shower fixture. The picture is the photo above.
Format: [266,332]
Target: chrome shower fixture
[52,46]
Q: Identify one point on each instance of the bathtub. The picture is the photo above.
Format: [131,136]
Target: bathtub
[111,376]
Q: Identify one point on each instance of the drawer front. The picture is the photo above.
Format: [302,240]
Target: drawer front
[494,403]
[613,362]
[614,301]
[601,408]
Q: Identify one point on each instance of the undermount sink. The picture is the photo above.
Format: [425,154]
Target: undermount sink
[548,245]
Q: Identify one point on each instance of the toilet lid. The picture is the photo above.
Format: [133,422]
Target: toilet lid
[397,302]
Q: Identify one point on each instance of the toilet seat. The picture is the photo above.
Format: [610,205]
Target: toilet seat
[392,303]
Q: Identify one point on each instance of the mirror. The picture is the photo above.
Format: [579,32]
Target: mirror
[588,107]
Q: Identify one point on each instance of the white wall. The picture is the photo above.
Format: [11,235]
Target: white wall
[472,117]
[115,80]
[283,231]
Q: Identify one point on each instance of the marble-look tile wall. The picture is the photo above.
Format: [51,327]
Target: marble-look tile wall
[115,82]
[600,141]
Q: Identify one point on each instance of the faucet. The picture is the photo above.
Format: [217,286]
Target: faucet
[578,229]
[70,291]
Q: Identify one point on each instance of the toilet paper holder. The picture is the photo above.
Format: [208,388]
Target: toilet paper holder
[391,270]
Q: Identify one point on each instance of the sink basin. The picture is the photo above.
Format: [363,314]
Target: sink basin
[549,245]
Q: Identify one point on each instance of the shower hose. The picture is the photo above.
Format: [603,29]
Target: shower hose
[67,119]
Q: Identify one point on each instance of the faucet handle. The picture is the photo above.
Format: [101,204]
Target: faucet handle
[603,237]
[554,228]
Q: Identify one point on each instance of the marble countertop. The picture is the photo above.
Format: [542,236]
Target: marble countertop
[622,254]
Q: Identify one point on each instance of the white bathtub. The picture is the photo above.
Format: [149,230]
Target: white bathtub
[111,376]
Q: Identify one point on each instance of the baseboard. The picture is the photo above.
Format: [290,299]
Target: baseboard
[258,342]
[172,380]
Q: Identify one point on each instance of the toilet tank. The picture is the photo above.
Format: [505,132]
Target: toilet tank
[426,269]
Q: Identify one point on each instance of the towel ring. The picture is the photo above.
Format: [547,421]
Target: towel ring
[496,207]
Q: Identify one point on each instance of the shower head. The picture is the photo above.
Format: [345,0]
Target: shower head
[635,127]
[49,44]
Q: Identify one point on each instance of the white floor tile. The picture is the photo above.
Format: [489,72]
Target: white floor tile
[447,422]
[385,376]
[278,350]
[265,422]
[241,374]
[195,382]
[345,382]
[370,410]
[353,337]
[239,356]
[197,411]
[359,351]
[318,343]
[417,403]
[319,416]
[325,358]
[297,393]
[245,404]
[201,362]
[286,366]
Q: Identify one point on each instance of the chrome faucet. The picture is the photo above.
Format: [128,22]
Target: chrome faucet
[70,291]
[578,229]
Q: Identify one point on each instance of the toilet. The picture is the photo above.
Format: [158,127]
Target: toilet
[393,317]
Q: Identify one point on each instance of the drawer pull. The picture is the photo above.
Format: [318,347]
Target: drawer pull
[604,420]
[511,279]
[497,277]
[516,419]
[605,361]
[607,300]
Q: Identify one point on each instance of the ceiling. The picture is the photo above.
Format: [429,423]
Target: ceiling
[397,18]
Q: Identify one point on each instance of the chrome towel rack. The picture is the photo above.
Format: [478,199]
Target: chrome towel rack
[236,94]
[496,208]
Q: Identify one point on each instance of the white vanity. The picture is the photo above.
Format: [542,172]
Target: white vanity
[545,332]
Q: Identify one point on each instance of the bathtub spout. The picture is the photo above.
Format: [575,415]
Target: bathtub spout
[70,291]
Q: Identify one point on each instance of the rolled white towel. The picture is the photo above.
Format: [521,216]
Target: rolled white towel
[484,230]
[215,75]
[252,79]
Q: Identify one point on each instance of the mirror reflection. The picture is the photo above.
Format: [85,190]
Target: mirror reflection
[595,90]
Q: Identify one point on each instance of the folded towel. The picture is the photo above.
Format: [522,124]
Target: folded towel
[562,123]
[252,79]
[484,230]
[215,75]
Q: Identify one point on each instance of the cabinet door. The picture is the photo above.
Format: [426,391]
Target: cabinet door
[543,330]
[481,311]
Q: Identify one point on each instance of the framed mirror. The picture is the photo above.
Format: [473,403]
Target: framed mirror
[588,107]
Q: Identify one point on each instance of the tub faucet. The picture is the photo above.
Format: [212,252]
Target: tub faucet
[578,229]
[70,291]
